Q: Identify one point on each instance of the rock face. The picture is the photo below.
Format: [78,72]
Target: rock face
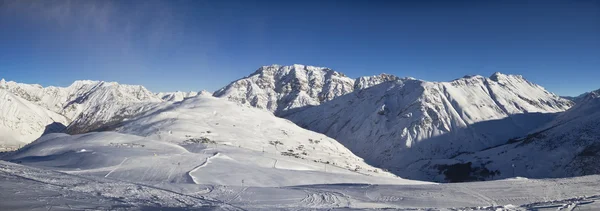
[399,122]
[369,81]
[21,121]
[283,88]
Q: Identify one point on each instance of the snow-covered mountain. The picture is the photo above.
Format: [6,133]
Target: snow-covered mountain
[80,96]
[568,146]
[397,123]
[22,122]
[391,122]
[176,96]
[91,170]
[87,105]
[577,98]
[280,88]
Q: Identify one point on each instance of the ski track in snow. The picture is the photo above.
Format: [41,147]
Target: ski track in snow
[200,166]
[478,195]
[325,199]
[237,195]
[117,167]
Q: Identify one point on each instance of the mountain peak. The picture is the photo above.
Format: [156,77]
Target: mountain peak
[278,88]
[204,93]
[592,95]
[369,81]
[79,83]
[497,76]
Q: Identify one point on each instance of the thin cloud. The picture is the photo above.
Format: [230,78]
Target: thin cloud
[131,28]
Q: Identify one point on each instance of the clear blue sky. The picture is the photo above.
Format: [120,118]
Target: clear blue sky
[197,44]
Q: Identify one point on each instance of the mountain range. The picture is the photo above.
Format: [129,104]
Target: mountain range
[471,128]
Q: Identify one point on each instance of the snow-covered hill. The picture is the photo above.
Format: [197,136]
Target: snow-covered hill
[127,157]
[22,122]
[396,123]
[213,120]
[280,88]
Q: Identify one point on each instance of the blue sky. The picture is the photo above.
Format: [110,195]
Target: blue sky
[197,44]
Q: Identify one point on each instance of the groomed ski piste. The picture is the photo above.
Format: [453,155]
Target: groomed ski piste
[107,171]
[206,153]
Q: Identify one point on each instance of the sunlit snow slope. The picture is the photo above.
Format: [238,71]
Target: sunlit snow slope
[144,160]
[213,120]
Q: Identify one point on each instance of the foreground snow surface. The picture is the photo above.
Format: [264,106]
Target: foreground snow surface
[29,188]
[112,171]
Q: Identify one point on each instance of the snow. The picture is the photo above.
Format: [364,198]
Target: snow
[80,96]
[281,88]
[369,81]
[397,123]
[213,120]
[176,96]
[116,171]
[567,146]
[22,121]
[190,150]
[29,188]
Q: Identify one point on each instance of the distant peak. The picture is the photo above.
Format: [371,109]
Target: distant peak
[594,94]
[276,67]
[271,66]
[469,77]
[84,82]
[497,76]
[204,93]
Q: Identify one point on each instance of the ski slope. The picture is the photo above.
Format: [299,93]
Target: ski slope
[109,170]
[30,188]
[134,158]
